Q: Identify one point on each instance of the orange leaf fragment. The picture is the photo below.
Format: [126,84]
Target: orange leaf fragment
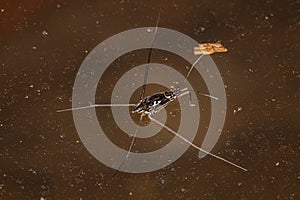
[209,48]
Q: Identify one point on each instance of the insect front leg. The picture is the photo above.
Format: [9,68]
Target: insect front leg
[190,100]
[190,97]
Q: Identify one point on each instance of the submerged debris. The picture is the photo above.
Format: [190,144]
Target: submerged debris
[45,33]
[237,110]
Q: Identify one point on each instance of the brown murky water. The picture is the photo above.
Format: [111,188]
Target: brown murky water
[42,46]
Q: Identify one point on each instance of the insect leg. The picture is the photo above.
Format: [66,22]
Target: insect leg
[190,143]
[130,147]
[149,58]
[193,67]
[97,105]
[185,90]
[143,90]
[209,96]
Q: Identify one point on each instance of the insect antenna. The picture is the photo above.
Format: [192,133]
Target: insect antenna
[193,145]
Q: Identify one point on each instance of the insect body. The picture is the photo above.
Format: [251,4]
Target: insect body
[152,104]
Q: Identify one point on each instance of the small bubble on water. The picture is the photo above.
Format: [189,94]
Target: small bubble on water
[45,33]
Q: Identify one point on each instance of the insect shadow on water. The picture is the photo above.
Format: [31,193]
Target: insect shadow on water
[150,105]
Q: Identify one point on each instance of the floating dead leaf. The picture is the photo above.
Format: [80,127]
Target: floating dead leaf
[209,48]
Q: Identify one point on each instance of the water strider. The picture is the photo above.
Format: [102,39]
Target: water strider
[154,103]
[150,105]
